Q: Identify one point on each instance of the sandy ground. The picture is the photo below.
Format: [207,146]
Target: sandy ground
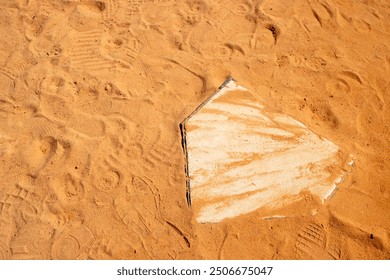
[92,94]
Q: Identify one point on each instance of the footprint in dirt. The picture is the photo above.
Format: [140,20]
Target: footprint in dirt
[313,243]
[38,153]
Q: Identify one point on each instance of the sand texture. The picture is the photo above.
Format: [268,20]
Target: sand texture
[92,94]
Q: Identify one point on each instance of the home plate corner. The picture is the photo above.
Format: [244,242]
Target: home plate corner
[242,156]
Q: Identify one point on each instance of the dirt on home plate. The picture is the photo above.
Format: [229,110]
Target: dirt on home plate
[92,94]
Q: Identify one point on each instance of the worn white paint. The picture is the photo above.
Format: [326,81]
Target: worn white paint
[243,156]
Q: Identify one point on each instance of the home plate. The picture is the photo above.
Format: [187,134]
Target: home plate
[242,156]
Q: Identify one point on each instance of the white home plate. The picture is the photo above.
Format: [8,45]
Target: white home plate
[242,156]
